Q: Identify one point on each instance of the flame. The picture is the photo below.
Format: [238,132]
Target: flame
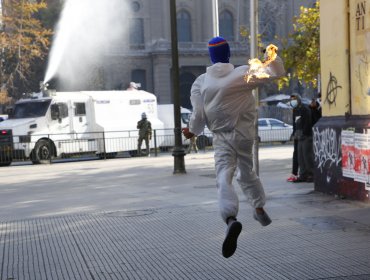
[257,67]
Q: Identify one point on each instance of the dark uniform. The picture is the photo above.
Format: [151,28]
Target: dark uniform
[302,126]
[145,133]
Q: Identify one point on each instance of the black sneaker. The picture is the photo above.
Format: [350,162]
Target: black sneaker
[230,242]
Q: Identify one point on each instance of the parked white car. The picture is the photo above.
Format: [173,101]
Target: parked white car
[271,130]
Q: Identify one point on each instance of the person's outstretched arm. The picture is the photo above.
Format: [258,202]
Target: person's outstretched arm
[197,119]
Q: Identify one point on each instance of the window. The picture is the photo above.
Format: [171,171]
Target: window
[136,33]
[139,76]
[262,123]
[276,123]
[226,23]
[135,6]
[267,21]
[184,26]
[63,110]
[80,109]
[31,109]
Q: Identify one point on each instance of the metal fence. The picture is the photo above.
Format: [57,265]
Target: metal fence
[283,114]
[49,148]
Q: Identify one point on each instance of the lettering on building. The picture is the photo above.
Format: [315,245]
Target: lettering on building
[360,15]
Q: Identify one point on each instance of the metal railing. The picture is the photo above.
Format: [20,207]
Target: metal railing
[49,148]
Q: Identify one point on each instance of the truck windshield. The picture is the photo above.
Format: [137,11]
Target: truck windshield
[31,109]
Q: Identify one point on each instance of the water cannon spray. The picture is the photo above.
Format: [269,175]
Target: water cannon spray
[45,91]
[43,87]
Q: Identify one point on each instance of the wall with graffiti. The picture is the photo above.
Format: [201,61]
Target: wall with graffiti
[342,157]
[341,139]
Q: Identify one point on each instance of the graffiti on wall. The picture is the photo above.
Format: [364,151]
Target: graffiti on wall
[327,148]
[332,90]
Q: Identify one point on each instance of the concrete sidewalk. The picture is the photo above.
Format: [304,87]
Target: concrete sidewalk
[133,219]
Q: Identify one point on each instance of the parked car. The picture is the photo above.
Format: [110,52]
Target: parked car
[271,130]
[3,117]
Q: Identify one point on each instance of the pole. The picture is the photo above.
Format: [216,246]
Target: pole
[216,28]
[178,151]
[254,54]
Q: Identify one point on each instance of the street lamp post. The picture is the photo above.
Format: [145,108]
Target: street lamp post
[253,54]
[216,29]
[178,152]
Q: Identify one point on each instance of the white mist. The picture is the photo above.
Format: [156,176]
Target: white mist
[85,29]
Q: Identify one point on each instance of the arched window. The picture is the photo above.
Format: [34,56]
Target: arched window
[183,26]
[226,25]
[136,33]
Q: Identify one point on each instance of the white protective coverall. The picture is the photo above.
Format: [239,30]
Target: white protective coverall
[223,101]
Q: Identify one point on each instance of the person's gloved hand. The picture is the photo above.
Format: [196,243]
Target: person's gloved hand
[187,133]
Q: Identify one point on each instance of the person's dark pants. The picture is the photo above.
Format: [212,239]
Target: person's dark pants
[305,157]
[140,142]
[295,164]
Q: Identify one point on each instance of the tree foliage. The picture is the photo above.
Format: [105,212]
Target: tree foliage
[302,53]
[24,42]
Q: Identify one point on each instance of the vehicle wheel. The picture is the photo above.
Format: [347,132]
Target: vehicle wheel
[164,149]
[107,155]
[6,162]
[43,152]
[133,153]
[202,142]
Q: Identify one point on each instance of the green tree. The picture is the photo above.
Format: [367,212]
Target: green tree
[302,55]
[24,42]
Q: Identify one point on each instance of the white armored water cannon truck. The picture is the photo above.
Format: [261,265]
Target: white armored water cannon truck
[52,124]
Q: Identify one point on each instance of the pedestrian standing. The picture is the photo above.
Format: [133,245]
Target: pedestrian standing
[193,145]
[303,133]
[295,166]
[145,134]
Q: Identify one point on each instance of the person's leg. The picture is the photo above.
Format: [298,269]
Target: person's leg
[225,164]
[249,182]
[247,178]
[295,159]
[188,151]
[139,143]
[293,177]
[308,158]
[147,145]
[301,161]
[195,144]
[191,144]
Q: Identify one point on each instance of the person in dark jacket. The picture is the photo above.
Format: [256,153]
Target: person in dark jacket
[316,113]
[295,167]
[302,126]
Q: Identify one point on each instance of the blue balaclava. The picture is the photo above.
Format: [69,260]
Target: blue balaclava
[219,50]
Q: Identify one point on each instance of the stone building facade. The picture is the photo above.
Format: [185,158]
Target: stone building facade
[144,53]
